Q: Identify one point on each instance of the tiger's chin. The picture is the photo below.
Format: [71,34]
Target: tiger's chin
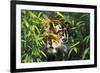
[52,50]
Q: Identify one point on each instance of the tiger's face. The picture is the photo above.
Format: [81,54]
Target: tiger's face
[57,38]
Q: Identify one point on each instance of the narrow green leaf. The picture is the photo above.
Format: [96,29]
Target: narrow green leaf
[75,49]
[34,16]
[86,39]
[37,29]
[79,22]
[43,53]
[58,13]
[23,41]
[26,23]
[84,15]
[70,52]
[39,14]
[75,44]
[85,53]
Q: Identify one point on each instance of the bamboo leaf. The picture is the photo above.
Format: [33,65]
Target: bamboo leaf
[43,53]
[70,52]
[37,29]
[58,13]
[85,53]
[86,39]
[75,44]
[39,14]
[26,23]
[79,23]
[75,49]
[34,16]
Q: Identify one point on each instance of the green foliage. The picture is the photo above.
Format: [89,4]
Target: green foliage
[31,38]
[34,33]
